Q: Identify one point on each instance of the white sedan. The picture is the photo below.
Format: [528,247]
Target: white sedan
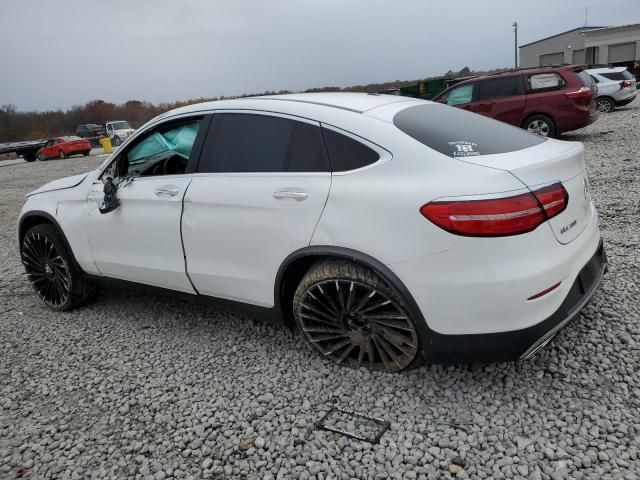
[388,230]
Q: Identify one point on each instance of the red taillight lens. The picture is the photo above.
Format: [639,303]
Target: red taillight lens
[554,199]
[584,92]
[625,84]
[498,217]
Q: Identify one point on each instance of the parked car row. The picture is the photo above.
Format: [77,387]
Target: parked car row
[546,101]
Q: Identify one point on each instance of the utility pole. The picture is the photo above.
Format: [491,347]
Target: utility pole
[515,44]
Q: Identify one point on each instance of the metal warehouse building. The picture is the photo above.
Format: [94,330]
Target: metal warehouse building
[585,45]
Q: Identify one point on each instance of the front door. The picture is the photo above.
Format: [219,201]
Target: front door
[141,240]
[261,186]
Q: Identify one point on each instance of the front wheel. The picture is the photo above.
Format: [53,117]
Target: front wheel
[50,268]
[61,154]
[116,141]
[348,314]
[86,154]
[540,125]
[606,105]
[41,157]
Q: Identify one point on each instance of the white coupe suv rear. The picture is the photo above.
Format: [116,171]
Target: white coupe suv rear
[388,230]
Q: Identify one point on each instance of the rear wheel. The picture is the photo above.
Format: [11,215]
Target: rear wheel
[51,270]
[350,315]
[606,105]
[61,154]
[540,125]
[41,157]
[29,157]
[86,154]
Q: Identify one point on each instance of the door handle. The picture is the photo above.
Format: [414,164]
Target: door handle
[166,191]
[299,196]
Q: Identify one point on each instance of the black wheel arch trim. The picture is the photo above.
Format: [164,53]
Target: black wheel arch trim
[48,219]
[366,260]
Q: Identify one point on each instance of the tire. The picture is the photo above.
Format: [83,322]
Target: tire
[42,157]
[606,105]
[349,315]
[52,271]
[29,157]
[116,141]
[540,125]
[86,154]
[61,154]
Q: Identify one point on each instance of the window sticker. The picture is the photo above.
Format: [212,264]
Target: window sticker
[463,148]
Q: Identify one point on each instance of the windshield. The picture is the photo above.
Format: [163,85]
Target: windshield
[120,125]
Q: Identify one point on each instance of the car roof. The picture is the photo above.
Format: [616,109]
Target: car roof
[520,71]
[350,101]
[606,69]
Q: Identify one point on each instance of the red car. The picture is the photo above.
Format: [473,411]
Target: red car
[546,100]
[63,147]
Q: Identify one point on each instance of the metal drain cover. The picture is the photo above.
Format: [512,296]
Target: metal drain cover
[353,425]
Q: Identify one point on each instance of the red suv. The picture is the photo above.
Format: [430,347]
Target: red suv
[546,100]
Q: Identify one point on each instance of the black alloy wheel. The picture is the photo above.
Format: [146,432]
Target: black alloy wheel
[52,271]
[47,270]
[354,318]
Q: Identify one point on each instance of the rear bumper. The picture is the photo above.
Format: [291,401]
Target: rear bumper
[620,103]
[523,343]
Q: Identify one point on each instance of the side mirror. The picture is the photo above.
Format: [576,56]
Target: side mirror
[110,202]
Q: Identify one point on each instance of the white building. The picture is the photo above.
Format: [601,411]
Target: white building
[585,45]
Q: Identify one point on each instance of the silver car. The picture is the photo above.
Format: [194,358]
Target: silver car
[616,87]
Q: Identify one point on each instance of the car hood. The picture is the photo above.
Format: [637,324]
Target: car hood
[124,130]
[60,184]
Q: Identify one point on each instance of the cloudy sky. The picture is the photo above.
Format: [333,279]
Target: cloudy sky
[54,54]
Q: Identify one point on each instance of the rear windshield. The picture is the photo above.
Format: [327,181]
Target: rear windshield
[623,75]
[585,78]
[459,133]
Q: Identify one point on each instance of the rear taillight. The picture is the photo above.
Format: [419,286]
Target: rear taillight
[498,217]
[625,84]
[583,95]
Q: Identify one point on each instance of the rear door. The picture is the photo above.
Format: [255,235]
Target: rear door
[260,188]
[502,98]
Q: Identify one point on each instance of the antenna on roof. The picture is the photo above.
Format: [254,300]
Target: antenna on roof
[586,16]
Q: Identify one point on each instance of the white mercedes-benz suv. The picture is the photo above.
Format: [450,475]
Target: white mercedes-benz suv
[388,230]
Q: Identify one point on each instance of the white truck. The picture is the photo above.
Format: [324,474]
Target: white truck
[118,131]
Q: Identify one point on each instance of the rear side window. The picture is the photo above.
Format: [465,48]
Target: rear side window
[545,81]
[346,153]
[261,143]
[500,87]
[623,75]
[459,133]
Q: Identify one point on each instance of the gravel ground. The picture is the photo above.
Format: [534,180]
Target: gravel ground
[144,386]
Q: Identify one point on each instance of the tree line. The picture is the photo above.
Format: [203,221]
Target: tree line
[17,125]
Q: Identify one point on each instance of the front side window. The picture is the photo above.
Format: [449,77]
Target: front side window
[165,150]
[500,87]
[241,142]
[459,95]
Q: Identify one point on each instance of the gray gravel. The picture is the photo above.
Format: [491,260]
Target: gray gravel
[143,386]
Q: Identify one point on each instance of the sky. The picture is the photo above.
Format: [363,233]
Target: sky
[55,54]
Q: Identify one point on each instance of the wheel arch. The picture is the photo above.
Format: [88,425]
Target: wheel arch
[533,114]
[294,267]
[37,217]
